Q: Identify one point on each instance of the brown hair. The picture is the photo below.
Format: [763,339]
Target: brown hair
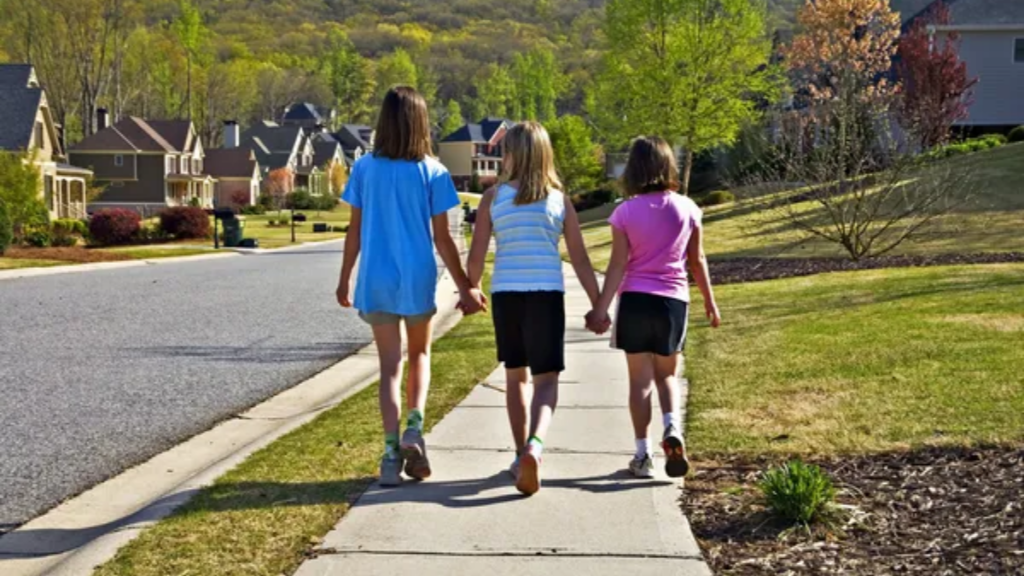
[403,128]
[651,167]
[530,159]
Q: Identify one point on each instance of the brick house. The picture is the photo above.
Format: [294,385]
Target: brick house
[475,150]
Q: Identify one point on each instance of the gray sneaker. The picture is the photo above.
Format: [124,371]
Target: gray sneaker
[642,467]
[513,470]
[390,471]
[414,451]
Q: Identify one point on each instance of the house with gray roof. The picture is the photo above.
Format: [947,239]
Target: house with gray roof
[992,45]
[146,165]
[280,147]
[308,116]
[27,127]
[355,140]
[475,152]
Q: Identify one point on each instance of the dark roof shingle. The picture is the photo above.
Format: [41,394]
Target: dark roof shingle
[967,12]
[230,163]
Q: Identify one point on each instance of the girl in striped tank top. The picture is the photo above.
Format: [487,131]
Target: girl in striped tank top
[527,215]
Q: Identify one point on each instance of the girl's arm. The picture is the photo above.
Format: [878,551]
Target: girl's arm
[482,229]
[471,300]
[353,244]
[698,263]
[578,253]
[616,272]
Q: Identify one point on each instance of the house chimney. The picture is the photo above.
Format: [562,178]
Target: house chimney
[231,134]
[101,119]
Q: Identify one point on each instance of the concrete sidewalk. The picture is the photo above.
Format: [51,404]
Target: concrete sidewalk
[590,516]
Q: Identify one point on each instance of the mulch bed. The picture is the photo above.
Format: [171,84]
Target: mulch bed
[75,254]
[738,270]
[936,511]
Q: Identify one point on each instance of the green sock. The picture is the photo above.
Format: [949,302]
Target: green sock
[414,419]
[536,443]
[391,444]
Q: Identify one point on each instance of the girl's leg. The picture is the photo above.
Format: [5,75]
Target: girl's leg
[665,369]
[388,338]
[542,409]
[414,448]
[641,388]
[517,397]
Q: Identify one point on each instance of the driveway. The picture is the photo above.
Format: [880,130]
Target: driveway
[102,370]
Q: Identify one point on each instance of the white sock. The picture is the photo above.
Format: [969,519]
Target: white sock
[672,420]
[536,446]
[643,447]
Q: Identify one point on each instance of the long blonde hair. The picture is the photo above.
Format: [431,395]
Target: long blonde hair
[531,161]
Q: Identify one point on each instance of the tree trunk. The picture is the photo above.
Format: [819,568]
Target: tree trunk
[687,172]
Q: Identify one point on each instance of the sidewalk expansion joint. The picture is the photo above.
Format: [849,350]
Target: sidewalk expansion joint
[548,450]
[544,552]
[560,407]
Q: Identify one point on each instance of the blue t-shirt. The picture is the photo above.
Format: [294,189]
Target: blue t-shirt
[397,270]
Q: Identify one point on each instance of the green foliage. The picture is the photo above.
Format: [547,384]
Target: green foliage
[68,231]
[351,79]
[396,69]
[537,84]
[301,200]
[474,184]
[798,492]
[578,158]
[37,237]
[6,230]
[716,198]
[495,90]
[691,71]
[1017,134]
[967,146]
[452,120]
[19,191]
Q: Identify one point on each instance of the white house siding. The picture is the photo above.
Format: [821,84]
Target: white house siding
[999,93]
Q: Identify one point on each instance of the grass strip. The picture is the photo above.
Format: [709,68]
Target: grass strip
[18,263]
[263,517]
[860,362]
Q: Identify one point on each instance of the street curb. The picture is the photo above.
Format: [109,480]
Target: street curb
[223,253]
[88,530]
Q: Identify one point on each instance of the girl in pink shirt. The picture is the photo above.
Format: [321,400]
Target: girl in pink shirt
[655,234]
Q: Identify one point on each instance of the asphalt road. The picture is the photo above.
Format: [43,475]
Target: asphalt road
[102,370]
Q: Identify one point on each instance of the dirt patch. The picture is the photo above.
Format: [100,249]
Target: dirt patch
[996,322]
[78,254]
[940,511]
[738,270]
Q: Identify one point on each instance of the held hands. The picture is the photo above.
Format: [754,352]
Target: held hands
[472,301]
[598,322]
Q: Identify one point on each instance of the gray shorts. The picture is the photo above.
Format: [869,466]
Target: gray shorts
[386,318]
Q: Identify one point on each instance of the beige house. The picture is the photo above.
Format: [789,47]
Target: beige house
[475,150]
[27,126]
[237,174]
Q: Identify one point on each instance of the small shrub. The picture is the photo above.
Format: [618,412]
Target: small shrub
[716,198]
[256,210]
[265,201]
[301,200]
[996,139]
[114,226]
[1016,135]
[152,234]
[593,199]
[798,492]
[185,222]
[240,198]
[6,229]
[66,232]
[326,202]
[194,202]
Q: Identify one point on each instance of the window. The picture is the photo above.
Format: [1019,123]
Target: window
[170,164]
[117,184]
[1018,50]
[183,165]
[118,160]
[39,135]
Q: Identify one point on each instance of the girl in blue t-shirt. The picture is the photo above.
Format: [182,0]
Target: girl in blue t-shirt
[398,195]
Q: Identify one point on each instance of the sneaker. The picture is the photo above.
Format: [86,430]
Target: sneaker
[676,463]
[528,479]
[414,452]
[513,470]
[642,467]
[390,471]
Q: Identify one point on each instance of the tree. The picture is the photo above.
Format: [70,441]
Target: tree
[452,119]
[691,71]
[279,185]
[338,178]
[578,158]
[936,90]
[395,69]
[494,89]
[189,30]
[19,191]
[863,188]
[537,83]
[351,79]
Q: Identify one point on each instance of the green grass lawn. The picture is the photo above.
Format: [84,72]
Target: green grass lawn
[862,361]
[993,221]
[278,236]
[16,263]
[472,199]
[262,517]
[155,252]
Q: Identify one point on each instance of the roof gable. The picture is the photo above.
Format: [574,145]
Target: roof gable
[966,12]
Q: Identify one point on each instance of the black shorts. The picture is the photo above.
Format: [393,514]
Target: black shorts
[530,330]
[649,324]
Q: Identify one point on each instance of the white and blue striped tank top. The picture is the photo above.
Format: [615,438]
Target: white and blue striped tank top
[528,259]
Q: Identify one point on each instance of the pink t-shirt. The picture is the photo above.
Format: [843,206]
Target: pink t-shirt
[658,226]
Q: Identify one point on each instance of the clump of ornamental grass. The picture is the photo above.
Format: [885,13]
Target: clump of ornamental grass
[799,493]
